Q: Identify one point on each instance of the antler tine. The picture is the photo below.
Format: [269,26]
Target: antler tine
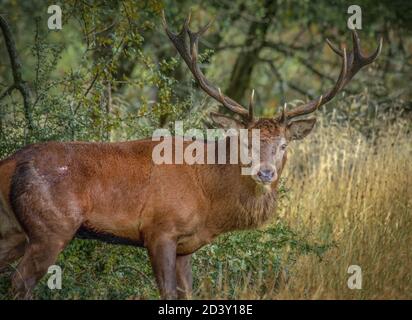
[356,60]
[179,39]
[377,52]
[164,22]
[282,117]
[352,63]
[190,56]
[199,76]
[194,40]
[339,83]
[334,48]
[356,43]
[187,21]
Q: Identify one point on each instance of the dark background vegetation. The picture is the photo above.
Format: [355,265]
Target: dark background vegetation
[111,74]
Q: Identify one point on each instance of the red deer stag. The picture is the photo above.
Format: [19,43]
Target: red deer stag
[55,191]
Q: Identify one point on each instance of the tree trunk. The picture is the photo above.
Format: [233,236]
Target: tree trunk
[246,61]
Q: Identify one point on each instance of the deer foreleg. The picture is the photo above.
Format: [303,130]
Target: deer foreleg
[162,253]
[184,276]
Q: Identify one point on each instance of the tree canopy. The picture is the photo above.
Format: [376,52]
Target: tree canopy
[111,73]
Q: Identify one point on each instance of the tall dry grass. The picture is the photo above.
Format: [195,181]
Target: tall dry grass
[355,192]
[358,192]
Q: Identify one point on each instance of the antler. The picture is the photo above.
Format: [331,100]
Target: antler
[190,55]
[352,62]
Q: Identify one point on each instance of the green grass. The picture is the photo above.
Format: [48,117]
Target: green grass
[95,270]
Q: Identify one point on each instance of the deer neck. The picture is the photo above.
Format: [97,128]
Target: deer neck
[238,202]
[255,203]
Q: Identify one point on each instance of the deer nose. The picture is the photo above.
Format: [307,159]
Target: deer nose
[266,175]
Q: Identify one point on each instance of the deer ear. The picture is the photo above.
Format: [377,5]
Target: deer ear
[299,129]
[226,122]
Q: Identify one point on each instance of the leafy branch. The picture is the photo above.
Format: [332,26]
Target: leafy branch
[16,67]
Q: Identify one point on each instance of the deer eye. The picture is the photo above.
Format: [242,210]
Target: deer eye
[283,146]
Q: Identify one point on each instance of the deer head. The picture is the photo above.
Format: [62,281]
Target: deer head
[276,132]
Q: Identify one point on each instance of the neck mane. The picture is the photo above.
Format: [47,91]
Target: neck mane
[238,202]
[255,205]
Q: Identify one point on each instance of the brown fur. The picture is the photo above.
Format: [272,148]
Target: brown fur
[114,189]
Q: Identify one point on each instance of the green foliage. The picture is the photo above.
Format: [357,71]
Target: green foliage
[94,270]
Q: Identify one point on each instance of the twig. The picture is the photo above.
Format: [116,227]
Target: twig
[87,91]
[282,81]
[299,90]
[280,78]
[7,91]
